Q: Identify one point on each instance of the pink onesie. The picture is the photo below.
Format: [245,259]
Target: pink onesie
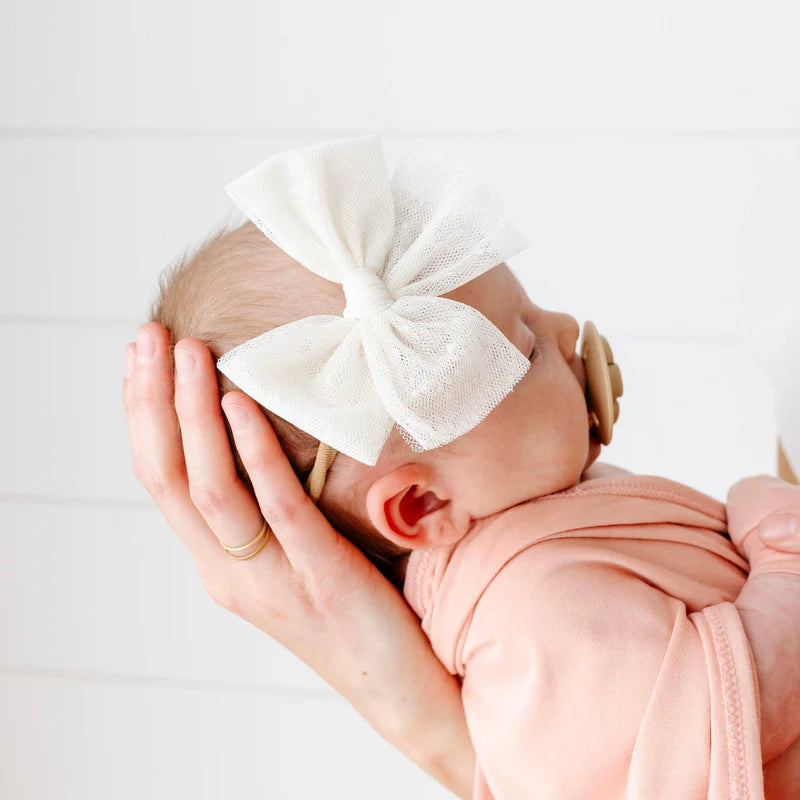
[608,661]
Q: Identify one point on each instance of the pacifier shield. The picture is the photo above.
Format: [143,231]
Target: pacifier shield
[603,381]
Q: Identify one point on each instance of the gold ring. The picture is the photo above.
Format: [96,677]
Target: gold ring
[231,550]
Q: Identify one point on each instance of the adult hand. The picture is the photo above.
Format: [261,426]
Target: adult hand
[309,588]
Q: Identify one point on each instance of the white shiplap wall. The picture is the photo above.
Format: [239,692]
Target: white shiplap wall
[650,151]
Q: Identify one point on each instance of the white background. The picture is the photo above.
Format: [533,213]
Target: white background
[651,153]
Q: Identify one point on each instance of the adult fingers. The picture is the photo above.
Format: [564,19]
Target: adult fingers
[228,508]
[156,442]
[307,538]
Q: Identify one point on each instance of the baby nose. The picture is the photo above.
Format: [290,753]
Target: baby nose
[568,333]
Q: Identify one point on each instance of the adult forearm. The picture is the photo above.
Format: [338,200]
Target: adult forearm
[405,693]
[429,726]
[442,746]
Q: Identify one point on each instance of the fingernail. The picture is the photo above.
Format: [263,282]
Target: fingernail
[145,346]
[129,359]
[185,362]
[236,415]
[779,527]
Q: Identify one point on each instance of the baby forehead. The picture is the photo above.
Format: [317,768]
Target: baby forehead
[501,296]
[500,281]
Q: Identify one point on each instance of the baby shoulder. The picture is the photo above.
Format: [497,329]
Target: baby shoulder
[561,594]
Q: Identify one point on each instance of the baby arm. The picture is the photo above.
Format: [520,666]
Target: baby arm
[769,603]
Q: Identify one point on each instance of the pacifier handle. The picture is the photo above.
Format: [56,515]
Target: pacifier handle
[603,381]
[785,471]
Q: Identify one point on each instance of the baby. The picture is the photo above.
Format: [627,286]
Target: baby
[612,642]
[239,284]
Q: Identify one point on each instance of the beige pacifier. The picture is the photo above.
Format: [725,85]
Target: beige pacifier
[785,471]
[603,382]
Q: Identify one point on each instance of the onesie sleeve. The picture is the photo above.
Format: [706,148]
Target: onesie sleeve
[583,680]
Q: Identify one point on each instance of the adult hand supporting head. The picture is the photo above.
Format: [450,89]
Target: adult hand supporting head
[309,589]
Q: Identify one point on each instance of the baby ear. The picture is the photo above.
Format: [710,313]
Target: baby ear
[410,511]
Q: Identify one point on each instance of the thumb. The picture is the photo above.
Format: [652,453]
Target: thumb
[780,531]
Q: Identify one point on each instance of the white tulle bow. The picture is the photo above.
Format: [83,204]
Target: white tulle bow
[400,354]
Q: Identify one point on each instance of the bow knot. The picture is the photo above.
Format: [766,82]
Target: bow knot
[365,293]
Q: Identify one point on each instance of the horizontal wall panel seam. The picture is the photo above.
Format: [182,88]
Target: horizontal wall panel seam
[323,133]
[121,679]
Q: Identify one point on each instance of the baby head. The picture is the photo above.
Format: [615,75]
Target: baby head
[238,285]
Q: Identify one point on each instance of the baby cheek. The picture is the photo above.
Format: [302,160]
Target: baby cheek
[504,470]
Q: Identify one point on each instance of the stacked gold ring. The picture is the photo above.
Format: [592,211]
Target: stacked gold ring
[231,550]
